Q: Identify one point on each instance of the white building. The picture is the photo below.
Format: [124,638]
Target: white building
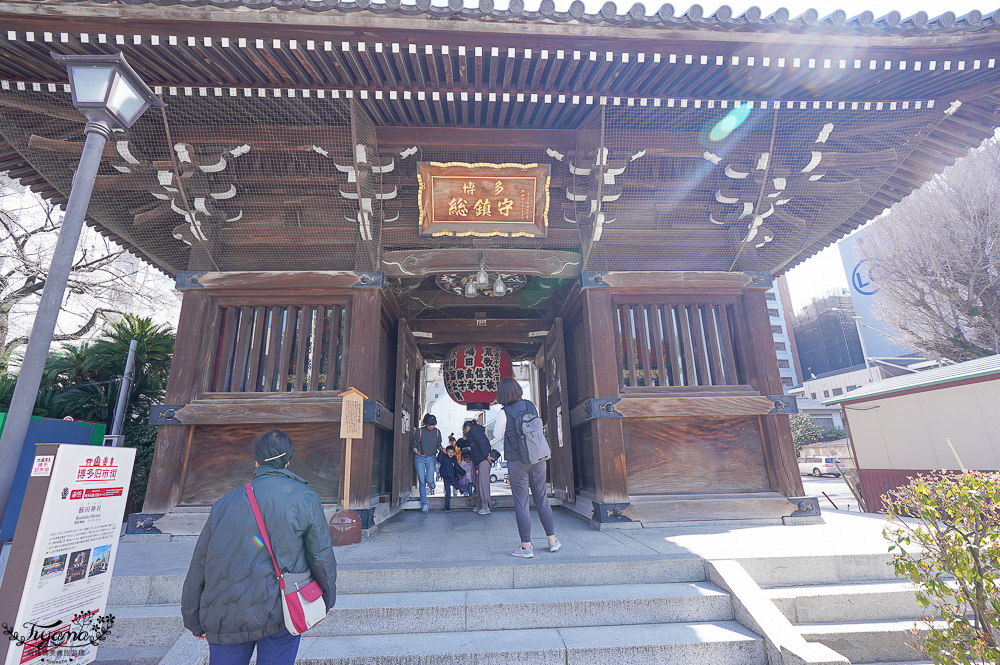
[782,338]
[821,414]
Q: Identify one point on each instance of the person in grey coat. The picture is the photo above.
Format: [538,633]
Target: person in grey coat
[231,596]
[521,473]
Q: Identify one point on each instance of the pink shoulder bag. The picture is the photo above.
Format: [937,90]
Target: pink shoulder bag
[301,596]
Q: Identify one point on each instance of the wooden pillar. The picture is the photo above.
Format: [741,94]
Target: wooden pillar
[163,489]
[608,434]
[363,365]
[756,346]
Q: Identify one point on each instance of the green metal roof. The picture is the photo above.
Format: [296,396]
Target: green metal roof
[931,377]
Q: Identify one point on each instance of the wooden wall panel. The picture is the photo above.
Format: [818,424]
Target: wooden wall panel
[706,455]
[577,361]
[221,458]
[875,483]
[584,465]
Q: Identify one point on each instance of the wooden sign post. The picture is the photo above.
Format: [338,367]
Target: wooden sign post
[351,427]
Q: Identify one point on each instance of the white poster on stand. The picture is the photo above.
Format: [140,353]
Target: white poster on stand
[53,602]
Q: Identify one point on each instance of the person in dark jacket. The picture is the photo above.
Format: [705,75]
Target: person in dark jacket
[520,473]
[475,434]
[231,596]
[451,472]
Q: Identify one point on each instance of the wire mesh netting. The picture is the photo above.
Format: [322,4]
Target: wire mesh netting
[301,180]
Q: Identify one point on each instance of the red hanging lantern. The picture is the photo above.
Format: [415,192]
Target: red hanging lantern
[472,373]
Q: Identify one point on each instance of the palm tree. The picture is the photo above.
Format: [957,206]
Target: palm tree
[152,359]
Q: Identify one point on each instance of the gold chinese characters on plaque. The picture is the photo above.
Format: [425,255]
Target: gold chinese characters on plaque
[459,199]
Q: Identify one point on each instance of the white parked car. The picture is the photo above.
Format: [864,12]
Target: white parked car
[498,471]
[819,466]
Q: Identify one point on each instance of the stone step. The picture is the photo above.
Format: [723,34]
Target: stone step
[718,643]
[783,571]
[859,601]
[867,641]
[554,607]
[394,578]
[484,610]
[153,626]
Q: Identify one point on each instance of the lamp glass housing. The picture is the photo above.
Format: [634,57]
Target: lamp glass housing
[499,288]
[470,289]
[482,278]
[106,90]
[91,83]
[126,100]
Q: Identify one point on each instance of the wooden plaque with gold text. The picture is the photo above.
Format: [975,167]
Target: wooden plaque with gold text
[459,199]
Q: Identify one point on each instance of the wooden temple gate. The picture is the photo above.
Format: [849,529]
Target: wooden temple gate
[325,183]
[656,387]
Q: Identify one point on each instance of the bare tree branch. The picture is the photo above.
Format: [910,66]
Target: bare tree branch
[12,344]
[936,259]
[104,278]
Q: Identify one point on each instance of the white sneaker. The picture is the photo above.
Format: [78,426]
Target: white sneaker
[522,553]
[485,511]
[554,546]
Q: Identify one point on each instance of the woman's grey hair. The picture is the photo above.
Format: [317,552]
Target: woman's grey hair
[509,391]
[273,448]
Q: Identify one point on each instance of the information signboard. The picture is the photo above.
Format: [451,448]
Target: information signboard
[352,424]
[53,600]
[507,200]
[352,414]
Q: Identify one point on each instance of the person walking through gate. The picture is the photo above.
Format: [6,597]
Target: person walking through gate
[468,484]
[230,596]
[451,472]
[520,473]
[425,445]
[475,434]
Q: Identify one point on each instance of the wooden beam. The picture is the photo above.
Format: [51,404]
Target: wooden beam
[676,282]
[310,280]
[16,101]
[438,298]
[608,435]
[363,368]
[756,350]
[65,148]
[457,331]
[542,263]
[267,410]
[716,406]
[286,138]
[170,454]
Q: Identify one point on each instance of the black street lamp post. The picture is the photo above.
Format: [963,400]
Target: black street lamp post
[111,96]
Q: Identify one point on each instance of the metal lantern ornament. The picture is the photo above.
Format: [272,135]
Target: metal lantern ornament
[472,373]
[106,89]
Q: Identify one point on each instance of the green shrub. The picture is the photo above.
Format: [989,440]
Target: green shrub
[950,549]
[142,437]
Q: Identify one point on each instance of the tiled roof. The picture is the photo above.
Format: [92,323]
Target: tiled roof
[806,404]
[931,377]
[753,19]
